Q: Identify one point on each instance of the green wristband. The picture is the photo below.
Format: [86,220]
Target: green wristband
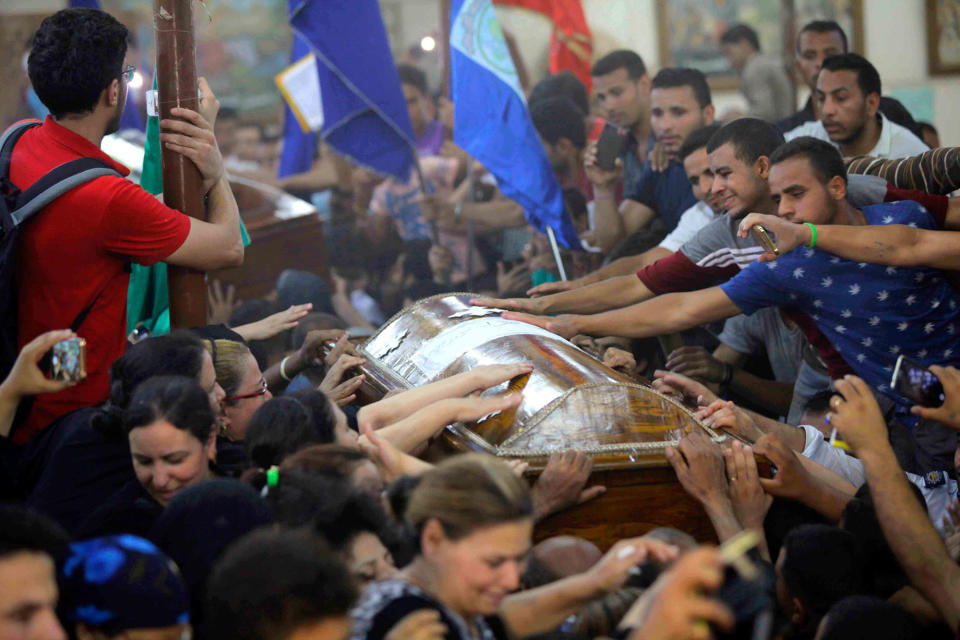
[813,235]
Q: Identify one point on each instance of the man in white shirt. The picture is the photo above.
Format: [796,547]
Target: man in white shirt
[848,98]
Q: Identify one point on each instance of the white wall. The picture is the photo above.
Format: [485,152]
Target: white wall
[896,42]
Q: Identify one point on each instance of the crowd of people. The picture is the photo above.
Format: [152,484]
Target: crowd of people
[223,481]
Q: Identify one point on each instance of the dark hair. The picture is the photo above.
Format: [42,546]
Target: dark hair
[575,202]
[272,582]
[359,513]
[223,510]
[177,399]
[824,26]
[557,118]
[561,85]
[321,410]
[279,428]
[74,56]
[416,260]
[300,287]
[739,32]
[620,59]
[818,402]
[823,157]
[300,495]
[673,77]
[868,79]
[869,618]
[398,494]
[750,137]
[413,76]
[697,140]
[25,530]
[882,571]
[822,566]
[179,353]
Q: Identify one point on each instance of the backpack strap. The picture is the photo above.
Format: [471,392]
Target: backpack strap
[55,183]
[8,139]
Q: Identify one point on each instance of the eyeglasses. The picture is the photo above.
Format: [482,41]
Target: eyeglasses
[127,74]
[262,391]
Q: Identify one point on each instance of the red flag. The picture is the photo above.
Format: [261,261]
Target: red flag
[571,43]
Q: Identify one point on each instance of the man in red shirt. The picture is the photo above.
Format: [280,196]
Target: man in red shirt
[75,253]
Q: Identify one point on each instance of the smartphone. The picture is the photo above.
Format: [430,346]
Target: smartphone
[916,382]
[610,146]
[68,360]
[762,236]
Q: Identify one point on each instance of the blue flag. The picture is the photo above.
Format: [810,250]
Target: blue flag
[84,4]
[298,147]
[492,122]
[364,113]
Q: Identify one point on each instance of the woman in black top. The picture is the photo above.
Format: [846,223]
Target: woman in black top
[473,519]
[170,429]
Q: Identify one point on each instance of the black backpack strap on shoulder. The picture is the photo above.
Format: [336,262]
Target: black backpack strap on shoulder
[55,183]
[8,139]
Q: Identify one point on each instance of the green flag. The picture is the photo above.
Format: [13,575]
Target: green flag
[147,296]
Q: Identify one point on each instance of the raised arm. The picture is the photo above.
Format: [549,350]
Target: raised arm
[905,523]
[896,244]
[625,266]
[664,314]
[216,243]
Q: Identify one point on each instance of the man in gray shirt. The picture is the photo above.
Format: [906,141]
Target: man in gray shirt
[762,80]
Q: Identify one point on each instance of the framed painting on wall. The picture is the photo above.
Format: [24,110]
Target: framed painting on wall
[943,37]
[689,30]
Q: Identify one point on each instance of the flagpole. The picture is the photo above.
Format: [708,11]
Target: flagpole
[182,182]
[556,253]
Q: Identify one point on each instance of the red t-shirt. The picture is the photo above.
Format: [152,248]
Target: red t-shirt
[76,249]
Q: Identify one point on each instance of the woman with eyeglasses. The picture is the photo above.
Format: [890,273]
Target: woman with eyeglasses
[170,429]
[243,383]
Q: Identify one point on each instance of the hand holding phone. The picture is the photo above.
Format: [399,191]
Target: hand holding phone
[916,382]
[762,237]
[27,378]
[610,146]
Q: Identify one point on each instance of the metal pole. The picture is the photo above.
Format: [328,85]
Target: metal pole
[182,182]
[556,253]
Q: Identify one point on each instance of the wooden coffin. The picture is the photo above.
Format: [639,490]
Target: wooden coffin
[285,232]
[570,401]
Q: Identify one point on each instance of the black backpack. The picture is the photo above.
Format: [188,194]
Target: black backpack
[16,208]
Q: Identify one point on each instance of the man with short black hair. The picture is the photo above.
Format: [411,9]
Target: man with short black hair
[559,124]
[30,546]
[621,88]
[818,566]
[74,255]
[762,80]
[680,104]
[817,41]
[848,98]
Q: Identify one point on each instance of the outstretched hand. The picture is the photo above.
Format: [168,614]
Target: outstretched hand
[562,483]
[564,325]
[687,390]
